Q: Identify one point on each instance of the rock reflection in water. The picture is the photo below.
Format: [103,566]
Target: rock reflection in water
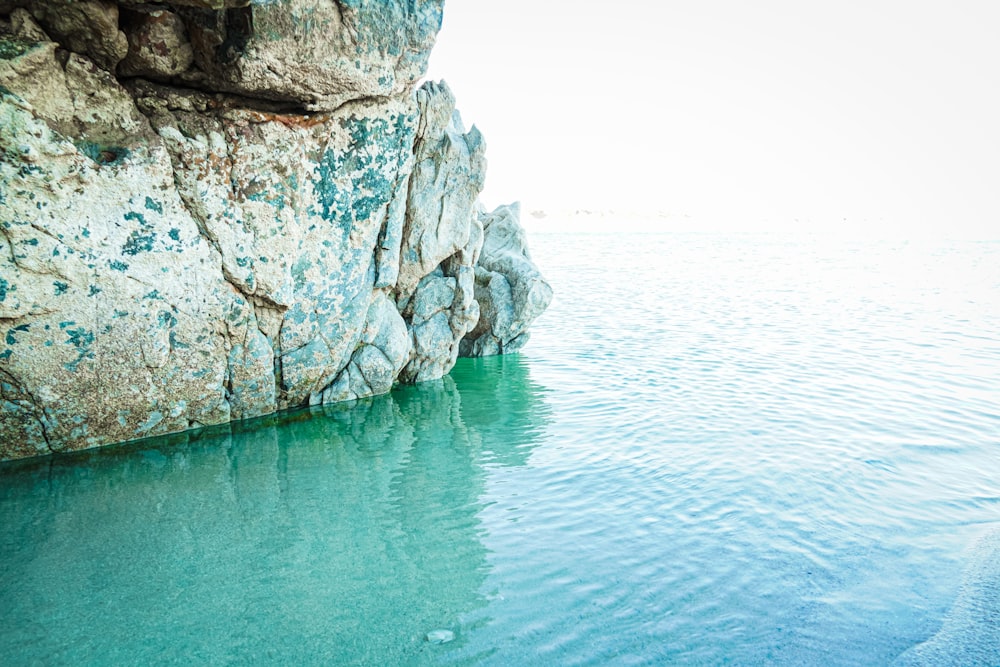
[339,534]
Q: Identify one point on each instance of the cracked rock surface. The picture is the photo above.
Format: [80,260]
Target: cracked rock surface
[215,210]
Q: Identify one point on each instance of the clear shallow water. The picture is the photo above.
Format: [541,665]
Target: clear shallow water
[739,450]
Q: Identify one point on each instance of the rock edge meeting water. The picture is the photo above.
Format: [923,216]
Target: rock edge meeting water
[742,449]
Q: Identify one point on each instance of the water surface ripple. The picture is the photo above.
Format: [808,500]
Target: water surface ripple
[714,450]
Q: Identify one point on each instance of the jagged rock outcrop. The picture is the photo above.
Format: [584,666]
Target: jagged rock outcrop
[441,236]
[510,290]
[215,210]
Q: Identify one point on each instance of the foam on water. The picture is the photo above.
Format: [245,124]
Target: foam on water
[742,450]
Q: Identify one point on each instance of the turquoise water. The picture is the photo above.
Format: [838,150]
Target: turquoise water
[714,450]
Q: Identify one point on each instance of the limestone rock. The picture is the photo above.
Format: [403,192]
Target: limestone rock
[443,190]
[75,97]
[378,358]
[86,27]
[441,235]
[24,27]
[113,307]
[294,207]
[183,242]
[201,4]
[158,45]
[317,54]
[441,312]
[509,287]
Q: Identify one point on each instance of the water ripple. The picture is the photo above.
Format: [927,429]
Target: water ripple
[780,425]
[714,450]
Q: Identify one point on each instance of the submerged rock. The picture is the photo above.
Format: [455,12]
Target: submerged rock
[970,634]
[440,636]
[215,210]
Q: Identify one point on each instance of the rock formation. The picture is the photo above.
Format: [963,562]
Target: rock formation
[215,209]
[510,291]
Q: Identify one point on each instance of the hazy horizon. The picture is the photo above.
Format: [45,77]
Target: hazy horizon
[876,116]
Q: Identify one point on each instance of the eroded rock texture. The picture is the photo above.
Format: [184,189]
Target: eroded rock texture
[510,290]
[215,210]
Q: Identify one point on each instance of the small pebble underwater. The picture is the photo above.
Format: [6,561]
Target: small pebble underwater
[743,449]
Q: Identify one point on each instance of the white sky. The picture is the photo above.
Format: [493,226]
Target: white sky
[768,114]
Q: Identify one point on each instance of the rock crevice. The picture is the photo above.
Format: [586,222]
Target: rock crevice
[212,210]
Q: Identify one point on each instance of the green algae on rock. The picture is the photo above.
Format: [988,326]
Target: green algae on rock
[216,210]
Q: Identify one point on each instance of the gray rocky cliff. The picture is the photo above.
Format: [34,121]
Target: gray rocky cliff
[215,210]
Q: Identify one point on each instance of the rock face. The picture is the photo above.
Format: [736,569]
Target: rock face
[215,210]
[509,288]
